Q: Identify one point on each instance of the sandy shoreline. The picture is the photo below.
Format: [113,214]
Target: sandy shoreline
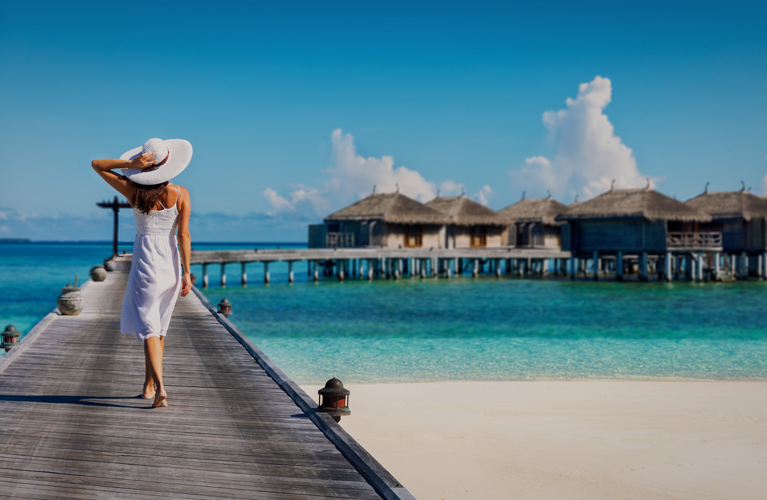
[567,439]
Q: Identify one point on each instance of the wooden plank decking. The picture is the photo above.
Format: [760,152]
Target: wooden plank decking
[72,426]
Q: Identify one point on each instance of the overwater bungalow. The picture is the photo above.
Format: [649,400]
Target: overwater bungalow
[741,218]
[535,223]
[387,220]
[471,224]
[641,225]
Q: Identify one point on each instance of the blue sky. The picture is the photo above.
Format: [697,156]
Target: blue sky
[296,109]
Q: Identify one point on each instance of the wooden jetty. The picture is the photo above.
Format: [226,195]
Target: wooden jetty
[388,262]
[72,426]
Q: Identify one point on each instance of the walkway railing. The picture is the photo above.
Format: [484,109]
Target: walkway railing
[339,240]
[694,240]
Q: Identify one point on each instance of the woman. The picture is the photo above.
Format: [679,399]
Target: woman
[160,209]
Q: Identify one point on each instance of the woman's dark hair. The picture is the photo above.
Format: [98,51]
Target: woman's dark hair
[146,196]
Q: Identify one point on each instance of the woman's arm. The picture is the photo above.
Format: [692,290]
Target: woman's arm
[120,183]
[185,239]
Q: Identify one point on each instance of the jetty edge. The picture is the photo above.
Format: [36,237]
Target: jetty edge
[71,431]
[381,479]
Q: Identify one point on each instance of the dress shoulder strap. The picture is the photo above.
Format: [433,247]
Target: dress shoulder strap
[178,192]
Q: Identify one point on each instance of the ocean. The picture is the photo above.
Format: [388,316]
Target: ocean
[441,330]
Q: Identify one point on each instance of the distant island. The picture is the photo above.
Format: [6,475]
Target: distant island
[15,240]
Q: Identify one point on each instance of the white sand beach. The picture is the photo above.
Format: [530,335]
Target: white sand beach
[567,439]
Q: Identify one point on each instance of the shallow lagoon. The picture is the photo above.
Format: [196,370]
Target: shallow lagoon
[460,329]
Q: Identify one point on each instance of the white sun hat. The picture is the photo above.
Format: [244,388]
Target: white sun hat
[171,158]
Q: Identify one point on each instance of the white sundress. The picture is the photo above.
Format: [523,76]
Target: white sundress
[154,282]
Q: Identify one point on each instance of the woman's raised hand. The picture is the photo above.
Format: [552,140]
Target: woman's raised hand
[143,161]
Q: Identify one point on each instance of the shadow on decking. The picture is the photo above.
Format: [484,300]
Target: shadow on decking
[75,400]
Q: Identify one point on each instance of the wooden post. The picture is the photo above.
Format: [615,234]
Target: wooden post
[573,267]
[266,273]
[744,265]
[596,265]
[619,266]
[643,266]
[205,275]
[115,205]
[668,266]
[700,267]
[475,271]
[716,266]
[759,266]
[370,270]
[223,275]
[497,265]
[243,274]
[433,266]
[340,265]
[764,264]
[315,274]
[290,271]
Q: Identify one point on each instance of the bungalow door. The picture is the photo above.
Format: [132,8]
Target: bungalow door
[478,236]
[413,236]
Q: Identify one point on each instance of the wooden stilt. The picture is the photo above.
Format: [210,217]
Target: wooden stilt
[290,271]
[223,275]
[667,264]
[619,266]
[596,265]
[764,264]
[243,275]
[205,275]
[266,273]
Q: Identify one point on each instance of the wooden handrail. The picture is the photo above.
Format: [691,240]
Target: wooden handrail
[694,240]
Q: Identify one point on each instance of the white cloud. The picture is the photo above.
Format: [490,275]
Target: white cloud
[3,216]
[484,194]
[588,153]
[5,229]
[451,188]
[352,177]
[277,202]
[302,199]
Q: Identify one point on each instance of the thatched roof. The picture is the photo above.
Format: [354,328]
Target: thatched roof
[631,203]
[464,211]
[544,210]
[393,208]
[730,205]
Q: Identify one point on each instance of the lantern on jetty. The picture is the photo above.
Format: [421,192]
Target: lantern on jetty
[70,301]
[98,273]
[225,307]
[109,265]
[10,337]
[334,399]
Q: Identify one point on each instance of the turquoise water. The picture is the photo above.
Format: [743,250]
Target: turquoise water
[461,329]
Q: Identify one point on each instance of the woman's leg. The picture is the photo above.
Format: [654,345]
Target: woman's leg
[154,346]
[149,386]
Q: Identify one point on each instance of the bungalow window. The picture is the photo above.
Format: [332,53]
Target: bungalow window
[478,236]
[413,236]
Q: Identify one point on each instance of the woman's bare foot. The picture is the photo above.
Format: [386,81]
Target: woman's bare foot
[149,392]
[160,400]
